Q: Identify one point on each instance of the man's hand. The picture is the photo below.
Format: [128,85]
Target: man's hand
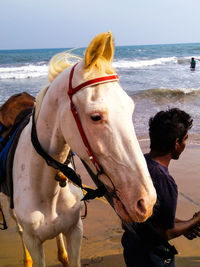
[195,231]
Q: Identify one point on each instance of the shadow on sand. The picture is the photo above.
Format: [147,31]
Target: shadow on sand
[187,261]
[117,261]
[105,261]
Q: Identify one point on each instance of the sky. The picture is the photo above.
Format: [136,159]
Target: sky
[26,24]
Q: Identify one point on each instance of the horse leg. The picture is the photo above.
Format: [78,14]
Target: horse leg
[35,247]
[27,258]
[73,240]
[62,253]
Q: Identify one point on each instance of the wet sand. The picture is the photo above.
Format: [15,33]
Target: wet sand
[102,229]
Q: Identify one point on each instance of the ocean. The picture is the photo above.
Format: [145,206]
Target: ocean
[157,77]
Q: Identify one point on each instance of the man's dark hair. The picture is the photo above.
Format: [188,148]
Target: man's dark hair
[166,126]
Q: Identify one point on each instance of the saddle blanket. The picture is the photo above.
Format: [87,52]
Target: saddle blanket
[14,116]
[4,149]
[6,159]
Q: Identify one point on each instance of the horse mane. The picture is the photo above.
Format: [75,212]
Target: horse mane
[61,61]
[57,64]
[38,101]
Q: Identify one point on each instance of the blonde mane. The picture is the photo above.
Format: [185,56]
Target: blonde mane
[38,101]
[57,64]
[61,61]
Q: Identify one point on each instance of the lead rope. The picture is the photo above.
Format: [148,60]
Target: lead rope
[70,158]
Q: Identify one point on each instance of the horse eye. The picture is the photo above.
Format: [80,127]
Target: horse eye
[95,117]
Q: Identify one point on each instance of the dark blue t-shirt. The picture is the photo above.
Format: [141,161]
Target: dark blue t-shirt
[167,193]
[138,244]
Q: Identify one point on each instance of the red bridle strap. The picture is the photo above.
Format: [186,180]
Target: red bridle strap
[71,92]
[95,81]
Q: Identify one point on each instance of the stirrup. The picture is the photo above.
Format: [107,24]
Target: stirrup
[3,225]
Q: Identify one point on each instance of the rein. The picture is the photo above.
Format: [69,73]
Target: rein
[67,171]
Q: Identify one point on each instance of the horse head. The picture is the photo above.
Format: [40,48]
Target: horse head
[105,113]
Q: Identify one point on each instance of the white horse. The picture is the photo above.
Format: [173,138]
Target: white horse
[100,131]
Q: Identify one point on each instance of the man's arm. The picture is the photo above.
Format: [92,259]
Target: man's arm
[194,232]
[189,228]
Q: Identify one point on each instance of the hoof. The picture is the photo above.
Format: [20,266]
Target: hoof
[29,263]
[64,260]
[28,260]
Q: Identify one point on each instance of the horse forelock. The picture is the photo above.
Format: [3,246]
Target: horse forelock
[104,67]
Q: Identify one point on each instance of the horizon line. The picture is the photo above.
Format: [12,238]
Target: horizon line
[45,48]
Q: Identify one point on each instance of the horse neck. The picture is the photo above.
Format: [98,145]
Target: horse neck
[52,141]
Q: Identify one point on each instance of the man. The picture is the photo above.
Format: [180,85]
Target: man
[192,64]
[146,244]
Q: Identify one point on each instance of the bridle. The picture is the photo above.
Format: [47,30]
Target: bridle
[71,92]
[67,171]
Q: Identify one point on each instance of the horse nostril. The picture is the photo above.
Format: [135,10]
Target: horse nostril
[141,206]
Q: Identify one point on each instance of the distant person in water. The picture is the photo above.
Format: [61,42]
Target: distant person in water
[192,64]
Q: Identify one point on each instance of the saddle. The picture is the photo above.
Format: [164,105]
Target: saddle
[10,110]
[14,116]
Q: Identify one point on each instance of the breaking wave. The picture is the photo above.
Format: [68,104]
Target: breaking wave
[167,93]
[23,71]
[34,70]
[144,63]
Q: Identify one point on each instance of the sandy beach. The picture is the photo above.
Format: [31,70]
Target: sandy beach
[101,245]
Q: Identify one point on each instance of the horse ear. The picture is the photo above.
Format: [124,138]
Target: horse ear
[109,48]
[101,46]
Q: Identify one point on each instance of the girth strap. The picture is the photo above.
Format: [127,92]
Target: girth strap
[67,171]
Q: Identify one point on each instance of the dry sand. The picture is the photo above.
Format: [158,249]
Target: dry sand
[102,229]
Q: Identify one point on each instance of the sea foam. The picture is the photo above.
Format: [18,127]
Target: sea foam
[144,63]
[23,72]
